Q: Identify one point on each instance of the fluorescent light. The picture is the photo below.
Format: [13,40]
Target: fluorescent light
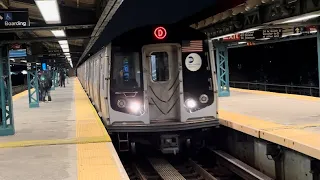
[263,39]
[49,10]
[242,42]
[313,31]
[248,30]
[65,50]
[67,54]
[58,33]
[23,61]
[63,42]
[303,18]
[64,46]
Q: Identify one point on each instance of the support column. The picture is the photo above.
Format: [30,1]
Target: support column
[53,87]
[56,80]
[222,70]
[6,111]
[318,51]
[33,86]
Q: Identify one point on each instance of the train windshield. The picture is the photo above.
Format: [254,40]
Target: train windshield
[126,71]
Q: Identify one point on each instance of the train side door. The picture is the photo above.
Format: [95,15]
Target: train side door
[161,72]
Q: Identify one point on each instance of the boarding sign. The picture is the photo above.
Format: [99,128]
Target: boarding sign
[14,18]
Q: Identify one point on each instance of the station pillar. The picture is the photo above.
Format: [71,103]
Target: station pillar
[6,111]
[52,71]
[56,80]
[33,85]
[318,51]
[222,70]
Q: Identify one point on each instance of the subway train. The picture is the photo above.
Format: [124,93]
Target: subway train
[154,85]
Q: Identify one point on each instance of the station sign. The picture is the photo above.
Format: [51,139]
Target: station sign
[271,33]
[14,18]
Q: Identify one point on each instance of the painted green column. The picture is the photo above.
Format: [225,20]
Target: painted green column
[222,70]
[33,85]
[53,75]
[6,122]
[56,80]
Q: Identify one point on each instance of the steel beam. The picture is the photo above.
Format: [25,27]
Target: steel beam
[33,88]
[51,27]
[222,70]
[109,10]
[274,41]
[43,39]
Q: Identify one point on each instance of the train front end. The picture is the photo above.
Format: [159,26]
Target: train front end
[162,87]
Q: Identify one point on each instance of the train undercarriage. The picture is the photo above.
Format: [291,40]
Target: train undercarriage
[169,139]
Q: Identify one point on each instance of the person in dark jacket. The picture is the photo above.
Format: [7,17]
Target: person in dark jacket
[62,79]
[45,84]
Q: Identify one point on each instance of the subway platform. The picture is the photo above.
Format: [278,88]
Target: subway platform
[61,140]
[292,121]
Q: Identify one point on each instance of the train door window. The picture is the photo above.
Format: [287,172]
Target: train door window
[159,66]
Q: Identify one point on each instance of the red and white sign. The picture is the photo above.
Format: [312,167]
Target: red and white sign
[160,32]
[234,37]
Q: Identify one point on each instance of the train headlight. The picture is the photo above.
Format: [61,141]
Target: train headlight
[190,103]
[134,107]
[203,98]
[121,103]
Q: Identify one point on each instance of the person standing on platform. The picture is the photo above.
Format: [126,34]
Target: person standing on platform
[62,79]
[45,84]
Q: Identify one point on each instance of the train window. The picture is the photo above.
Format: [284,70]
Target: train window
[159,66]
[126,70]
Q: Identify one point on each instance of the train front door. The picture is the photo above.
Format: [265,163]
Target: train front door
[161,74]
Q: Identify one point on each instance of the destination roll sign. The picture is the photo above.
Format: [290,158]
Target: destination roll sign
[14,18]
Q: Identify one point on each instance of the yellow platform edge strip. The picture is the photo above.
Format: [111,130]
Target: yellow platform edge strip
[271,132]
[83,140]
[94,161]
[295,96]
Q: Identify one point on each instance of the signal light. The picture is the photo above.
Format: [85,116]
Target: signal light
[160,33]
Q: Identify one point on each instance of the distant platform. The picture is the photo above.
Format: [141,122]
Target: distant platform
[62,139]
[292,121]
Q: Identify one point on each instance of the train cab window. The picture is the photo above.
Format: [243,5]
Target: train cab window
[126,70]
[159,66]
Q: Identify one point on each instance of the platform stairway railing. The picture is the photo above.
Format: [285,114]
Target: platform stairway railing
[288,89]
[18,89]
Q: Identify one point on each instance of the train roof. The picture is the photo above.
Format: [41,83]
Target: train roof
[146,35]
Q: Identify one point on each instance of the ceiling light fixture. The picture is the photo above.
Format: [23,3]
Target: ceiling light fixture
[49,10]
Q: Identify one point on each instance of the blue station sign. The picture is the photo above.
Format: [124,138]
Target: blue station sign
[14,18]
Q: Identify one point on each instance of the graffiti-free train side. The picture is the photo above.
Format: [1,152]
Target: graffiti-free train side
[154,85]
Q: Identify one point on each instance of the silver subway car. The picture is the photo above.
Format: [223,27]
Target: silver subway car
[155,85]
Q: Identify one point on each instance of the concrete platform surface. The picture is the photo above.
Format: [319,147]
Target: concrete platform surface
[289,120]
[62,139]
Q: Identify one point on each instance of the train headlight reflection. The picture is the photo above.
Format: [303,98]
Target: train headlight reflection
[190,103]
[134,107]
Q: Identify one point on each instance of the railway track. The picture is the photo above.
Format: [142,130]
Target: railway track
[212,165]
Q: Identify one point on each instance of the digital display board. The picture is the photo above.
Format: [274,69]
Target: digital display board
[17,53]
[44,66]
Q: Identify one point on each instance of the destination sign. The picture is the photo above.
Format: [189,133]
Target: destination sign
[14,18]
